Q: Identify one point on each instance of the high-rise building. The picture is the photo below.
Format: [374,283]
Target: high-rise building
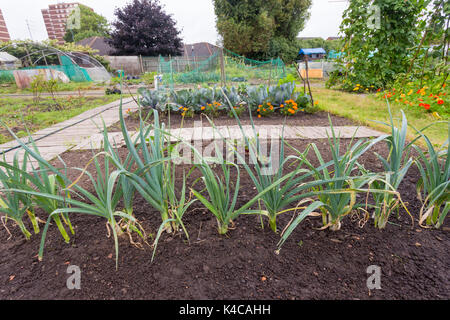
[55,19]
[4,34]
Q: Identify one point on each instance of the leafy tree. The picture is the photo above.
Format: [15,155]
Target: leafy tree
[91,25]
[261,29]
[143,28]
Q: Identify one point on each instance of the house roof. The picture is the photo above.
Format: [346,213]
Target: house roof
[200,49]
[311,51]
[97,43]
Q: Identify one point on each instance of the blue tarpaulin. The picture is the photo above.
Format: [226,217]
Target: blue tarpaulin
[312,51]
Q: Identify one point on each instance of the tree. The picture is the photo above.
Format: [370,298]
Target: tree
[91,25]
[143,28]
[261,29]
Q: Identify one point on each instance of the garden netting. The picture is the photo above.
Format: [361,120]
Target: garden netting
[209,69]
[74,72]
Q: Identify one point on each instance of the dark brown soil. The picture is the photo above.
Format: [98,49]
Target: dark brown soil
[300,119]
[313,264]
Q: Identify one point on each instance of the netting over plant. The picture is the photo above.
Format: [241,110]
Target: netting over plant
[236,68]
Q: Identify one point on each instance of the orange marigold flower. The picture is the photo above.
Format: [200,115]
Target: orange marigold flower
[259,116]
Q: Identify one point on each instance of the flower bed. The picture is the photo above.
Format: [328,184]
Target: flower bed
[430,100]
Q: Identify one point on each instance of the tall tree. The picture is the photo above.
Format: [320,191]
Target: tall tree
[143,28]
[91,25]
[261,28]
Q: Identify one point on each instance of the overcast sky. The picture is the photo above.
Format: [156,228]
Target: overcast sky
[195,18]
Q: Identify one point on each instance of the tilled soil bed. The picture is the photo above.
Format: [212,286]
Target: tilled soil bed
[243,264]
[319,119]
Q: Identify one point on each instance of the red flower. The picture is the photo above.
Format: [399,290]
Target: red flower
[427,106]
[440,102]
[421,104]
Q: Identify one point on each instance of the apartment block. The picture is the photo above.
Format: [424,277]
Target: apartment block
[4,34]
[55,19]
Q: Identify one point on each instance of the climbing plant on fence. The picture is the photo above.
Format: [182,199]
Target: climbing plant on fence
[379,38]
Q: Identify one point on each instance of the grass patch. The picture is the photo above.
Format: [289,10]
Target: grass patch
[11,88]
[363,108]
[43,113]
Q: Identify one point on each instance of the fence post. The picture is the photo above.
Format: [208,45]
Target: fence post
[270,72]
[141,63]
[222,68]
[171,72]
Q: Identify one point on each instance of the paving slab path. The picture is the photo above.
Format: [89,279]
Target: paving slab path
[84,132]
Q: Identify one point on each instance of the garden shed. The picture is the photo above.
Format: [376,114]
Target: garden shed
[312,53]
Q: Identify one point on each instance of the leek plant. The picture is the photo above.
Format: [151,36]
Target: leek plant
[15,205]
[267,171]
[222,201]
[102,204]
[396,166]
[338,196]
[154,178]
[434,182]
[294,187]
[43,182]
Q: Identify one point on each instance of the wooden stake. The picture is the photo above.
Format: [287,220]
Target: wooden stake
[307,79]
